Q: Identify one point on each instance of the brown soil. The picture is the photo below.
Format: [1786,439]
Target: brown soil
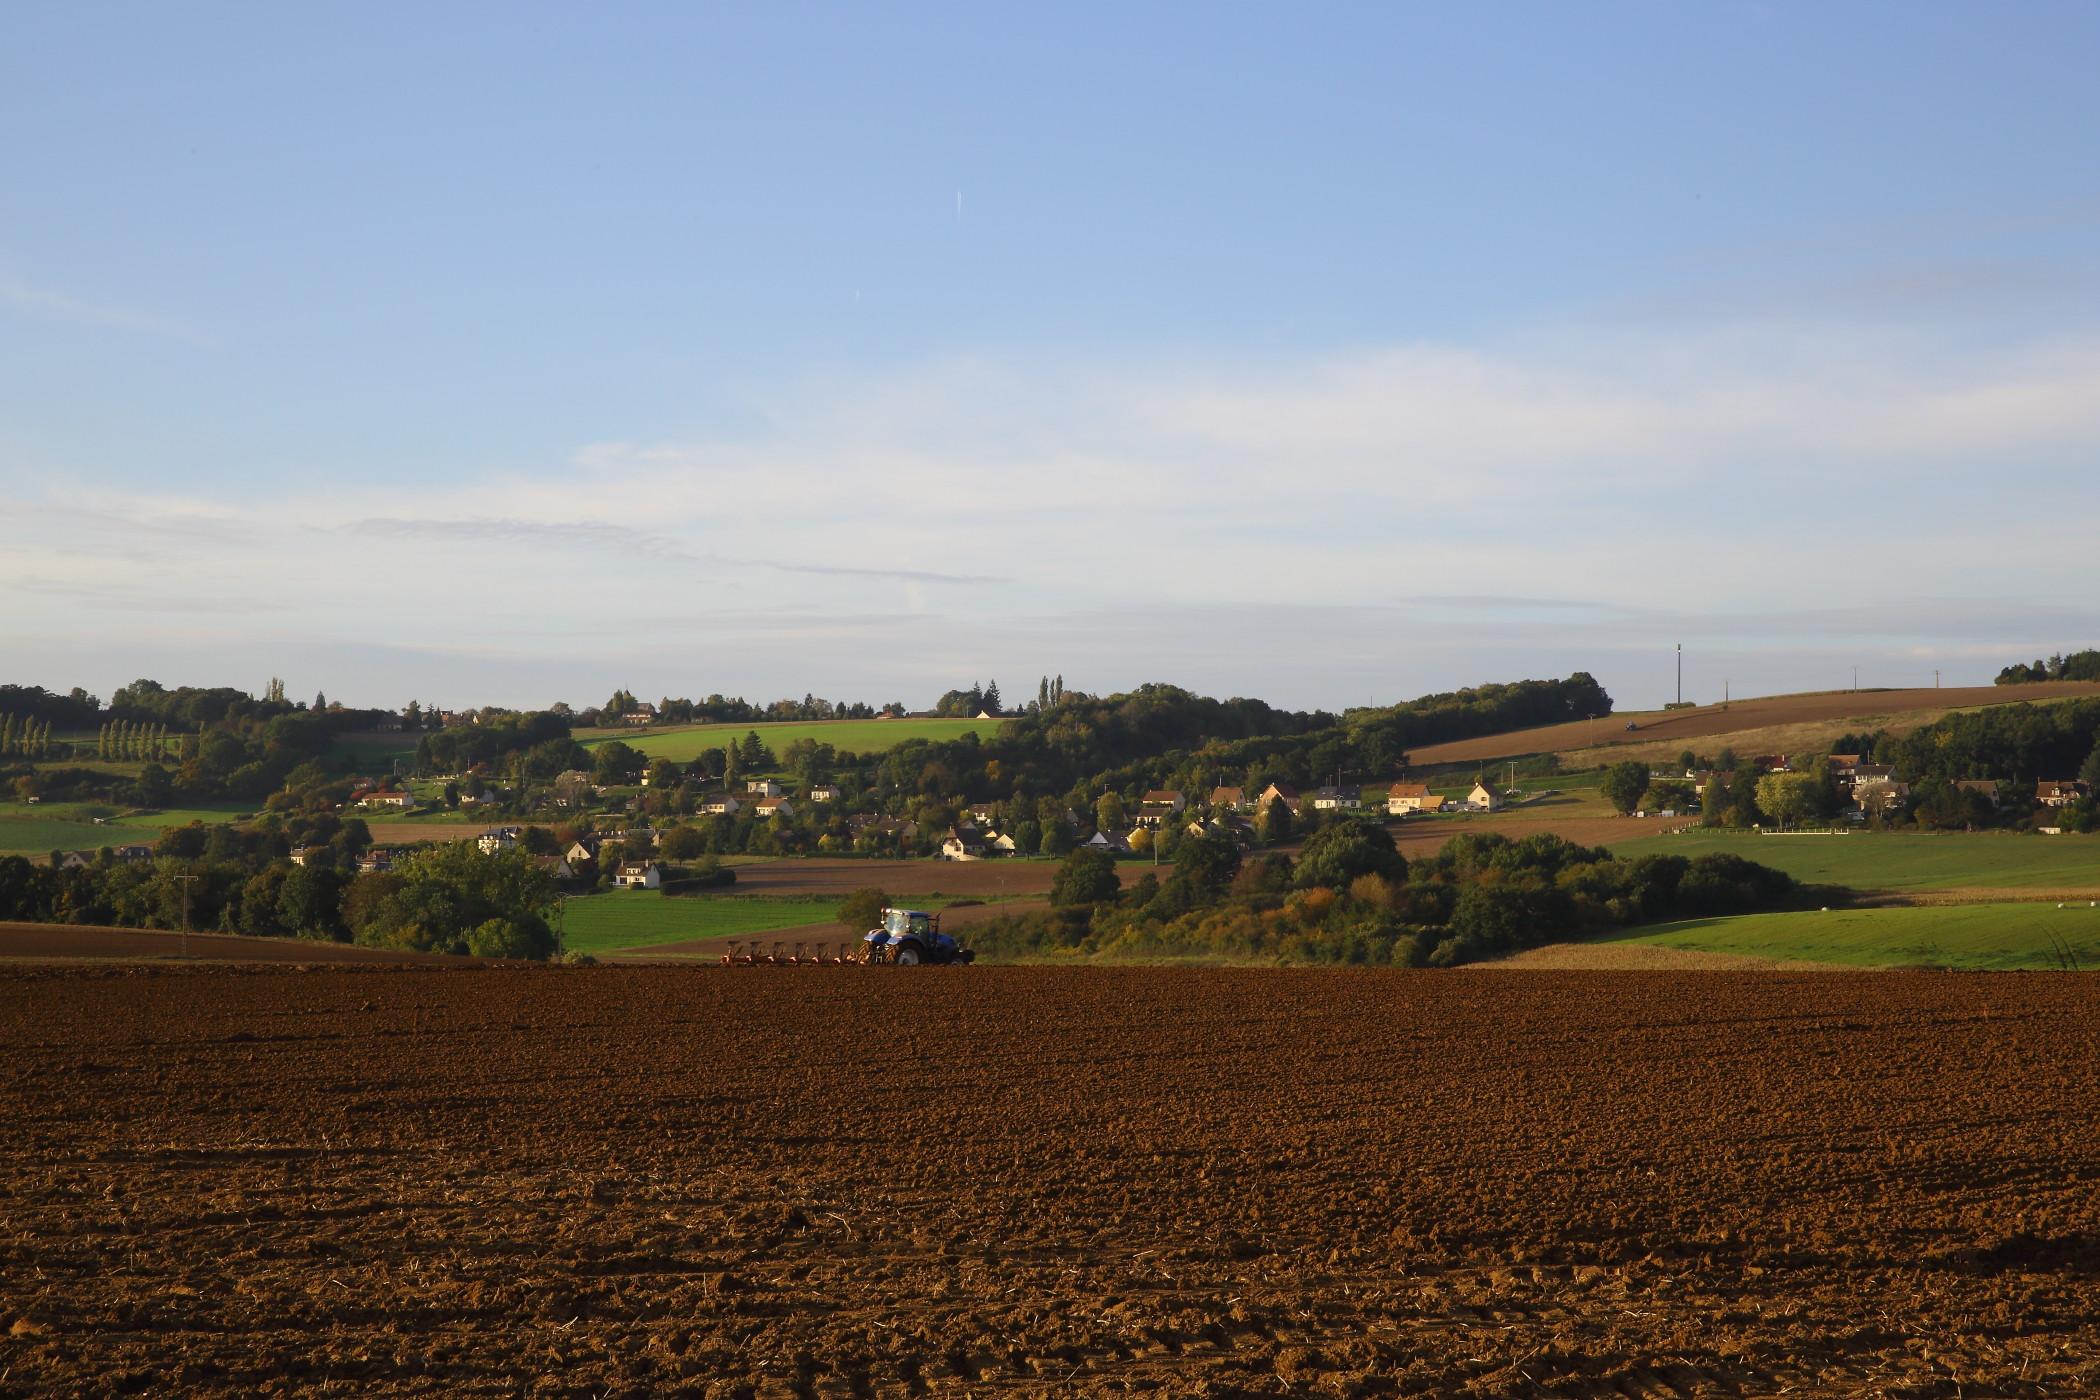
[1647,957]
[1030,1181]
[1676,727]
[46,942]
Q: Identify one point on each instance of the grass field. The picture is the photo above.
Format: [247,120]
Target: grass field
[1910,861]
[641,918]
[683,745]
[1982,936]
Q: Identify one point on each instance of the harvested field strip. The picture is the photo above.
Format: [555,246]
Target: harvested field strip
[1663,733]
[1037,1181]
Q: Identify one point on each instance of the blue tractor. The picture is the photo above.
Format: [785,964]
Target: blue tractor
[909,937]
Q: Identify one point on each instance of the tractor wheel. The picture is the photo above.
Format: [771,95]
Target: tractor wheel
[908,955]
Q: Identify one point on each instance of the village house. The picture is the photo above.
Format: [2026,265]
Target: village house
[1279,792]
[773,807]
[1866,775]
[1228,799]
[306,853]
[638,875]
[1403,799]
[1434,803]
[639,717]
[861,822]
[559,868]
[762,787]
[499,838]
[398,801]
[2058,793]
[984,813]
[582,851]
[1985,788]
[1114,842]
[376,861]
[721,804]
[1484,798]
[1337,799]
[824,792]
[963,843]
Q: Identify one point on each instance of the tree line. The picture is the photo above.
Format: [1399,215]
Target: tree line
[1351,897]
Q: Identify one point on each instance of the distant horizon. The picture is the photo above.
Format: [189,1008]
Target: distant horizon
[1013,698]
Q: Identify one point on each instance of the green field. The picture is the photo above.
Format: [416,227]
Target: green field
[69,826]
[683,745]
[643,918]
[1983,936]
[1868,860]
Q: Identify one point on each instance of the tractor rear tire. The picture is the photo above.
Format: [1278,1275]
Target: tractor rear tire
[908,956]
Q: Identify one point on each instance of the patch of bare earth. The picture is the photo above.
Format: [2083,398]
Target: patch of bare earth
[1646,957]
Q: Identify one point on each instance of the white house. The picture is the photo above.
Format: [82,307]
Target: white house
[721,804]
[1337,799]
[1484,798]
[824,792]
[2058,794]
[963,843]
[762,787]
[639,875]
[498,838]
[775,806]
[399,801]
[1114,842]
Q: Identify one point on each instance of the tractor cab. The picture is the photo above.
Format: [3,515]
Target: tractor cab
[909,937]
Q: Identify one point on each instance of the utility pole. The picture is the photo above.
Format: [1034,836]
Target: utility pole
[1855,679]
[186,881]
[1680,673]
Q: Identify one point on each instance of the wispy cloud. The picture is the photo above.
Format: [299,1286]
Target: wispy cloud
[599,535]
[44,302]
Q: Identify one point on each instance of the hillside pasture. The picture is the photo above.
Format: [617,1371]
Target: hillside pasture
[684,743]
[1769,724]
[1967,936]
[1920,864]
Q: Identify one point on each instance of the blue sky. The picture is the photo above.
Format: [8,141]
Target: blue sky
[1327,354]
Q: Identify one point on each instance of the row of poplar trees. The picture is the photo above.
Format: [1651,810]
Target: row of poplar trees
[123,738]
[26,737]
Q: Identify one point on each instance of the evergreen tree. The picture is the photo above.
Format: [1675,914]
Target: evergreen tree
[320,701]
[1042,694]
[990,698]
[7,734]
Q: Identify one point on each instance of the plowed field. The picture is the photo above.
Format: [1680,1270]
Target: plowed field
[802,1182]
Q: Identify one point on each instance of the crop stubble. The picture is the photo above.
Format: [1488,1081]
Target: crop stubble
[864,1182]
